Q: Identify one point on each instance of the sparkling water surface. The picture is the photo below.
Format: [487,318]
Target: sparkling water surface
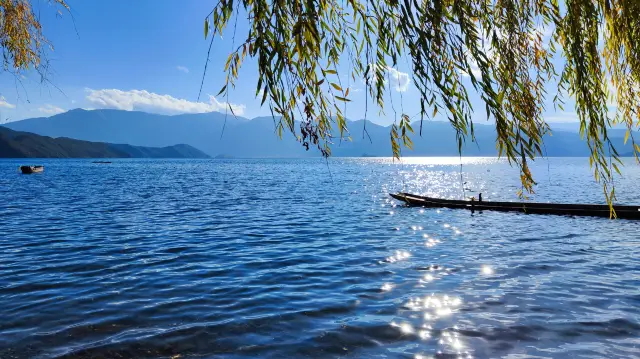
[308,258]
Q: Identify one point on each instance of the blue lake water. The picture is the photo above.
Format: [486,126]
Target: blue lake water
[307,258]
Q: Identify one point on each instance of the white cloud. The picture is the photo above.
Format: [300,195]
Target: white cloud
[4,103]
[183,69]
[142,100]
[399,80]
[475,70]
[562,116]
[542,31]
[612,98]
[49,109]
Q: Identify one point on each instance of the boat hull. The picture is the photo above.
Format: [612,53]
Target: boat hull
[31,169]
[593,210]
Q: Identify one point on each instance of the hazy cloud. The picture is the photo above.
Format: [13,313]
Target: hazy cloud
[142,100]
[475,70]
[399,80]
[562,116]
[183,69]
[5,104]
[49,109]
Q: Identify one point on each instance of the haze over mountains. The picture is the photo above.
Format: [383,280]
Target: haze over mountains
[257,138]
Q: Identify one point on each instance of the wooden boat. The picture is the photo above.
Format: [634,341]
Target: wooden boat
[596,210]
[31,169]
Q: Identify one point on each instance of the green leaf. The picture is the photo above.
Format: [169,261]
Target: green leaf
[222,90]
[206,27]
[335,86]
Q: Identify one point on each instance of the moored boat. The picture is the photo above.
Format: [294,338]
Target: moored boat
[31,169]
[596,210]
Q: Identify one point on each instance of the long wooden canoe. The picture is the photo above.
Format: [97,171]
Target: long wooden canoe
[596,210]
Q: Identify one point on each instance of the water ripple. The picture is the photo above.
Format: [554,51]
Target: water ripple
[286,258]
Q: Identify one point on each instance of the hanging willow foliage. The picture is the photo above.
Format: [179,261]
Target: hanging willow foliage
[301,45]
[22,41]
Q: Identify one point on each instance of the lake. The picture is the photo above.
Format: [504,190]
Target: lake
[310,258]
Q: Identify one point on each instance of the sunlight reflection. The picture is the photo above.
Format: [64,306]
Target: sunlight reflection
[387,287]
[486,270]
[429,278]
[434,306]
[446,161]
[431,242]
[400,255]
[453,342]
[406,328]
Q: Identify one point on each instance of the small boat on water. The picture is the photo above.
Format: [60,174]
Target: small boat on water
[31,169]
[102,162]
[595,210]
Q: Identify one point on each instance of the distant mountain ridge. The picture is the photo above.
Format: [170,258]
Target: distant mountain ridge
[257,137]
[15,144]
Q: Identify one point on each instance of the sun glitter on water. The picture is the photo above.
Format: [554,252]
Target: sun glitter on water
[486,270]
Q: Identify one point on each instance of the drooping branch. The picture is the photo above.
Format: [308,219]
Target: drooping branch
[495,49]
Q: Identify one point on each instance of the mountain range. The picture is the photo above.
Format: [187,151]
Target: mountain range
[257,137]
[14,144]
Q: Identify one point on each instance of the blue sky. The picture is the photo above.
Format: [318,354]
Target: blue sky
[150,55]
